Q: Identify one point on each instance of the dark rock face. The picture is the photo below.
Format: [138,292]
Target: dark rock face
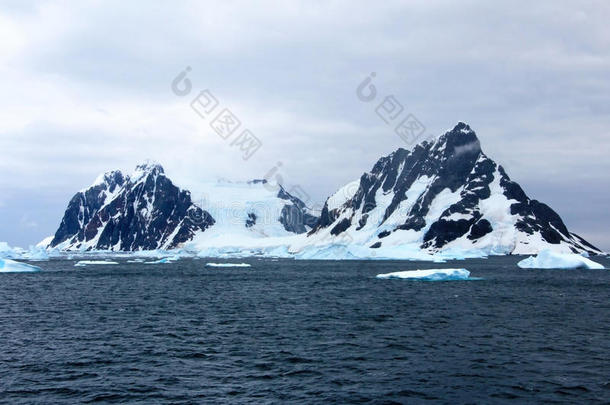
[251,221]
[295,217]
[340,227]
[143,212]
[453,163]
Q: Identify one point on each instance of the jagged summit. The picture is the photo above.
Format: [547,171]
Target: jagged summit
[148,169]
[461,126]
[458,141]
[150,166]
[115,178]
[110,179]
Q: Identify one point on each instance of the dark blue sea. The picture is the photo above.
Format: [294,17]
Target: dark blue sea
[285,331]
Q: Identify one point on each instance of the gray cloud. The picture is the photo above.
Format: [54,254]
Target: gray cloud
[86,89]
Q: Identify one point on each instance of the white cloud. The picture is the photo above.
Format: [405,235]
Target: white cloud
[27,222]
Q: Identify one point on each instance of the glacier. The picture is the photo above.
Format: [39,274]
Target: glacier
[547,259]
[429,275]
[11,266]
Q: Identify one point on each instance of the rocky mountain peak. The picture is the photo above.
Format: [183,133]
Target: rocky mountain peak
[459,142]
[138,212]
[445,193]
[149,167]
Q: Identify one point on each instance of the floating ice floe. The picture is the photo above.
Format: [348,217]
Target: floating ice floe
[136,261]
[11,266]
[83,263]
[228,265]
[548,259]
[429,275]
[163,260]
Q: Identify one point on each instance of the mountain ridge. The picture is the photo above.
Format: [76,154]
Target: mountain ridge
[444,195]
[146,211]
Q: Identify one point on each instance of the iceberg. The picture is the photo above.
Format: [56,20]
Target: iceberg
[36,253]
[429,275]
[84,263]
[228,265]
[11,266]
[548,259]
[8,252]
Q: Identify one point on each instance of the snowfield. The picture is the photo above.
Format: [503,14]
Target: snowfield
[547,259]
[429,275]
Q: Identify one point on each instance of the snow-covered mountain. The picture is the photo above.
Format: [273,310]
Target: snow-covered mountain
[142,211]
[146,211]
[444,198]
[445,195]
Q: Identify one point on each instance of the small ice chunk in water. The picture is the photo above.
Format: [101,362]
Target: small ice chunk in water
[547,259]
[84,263]
[228,265]
[429,275]
[164,260]
[11,266]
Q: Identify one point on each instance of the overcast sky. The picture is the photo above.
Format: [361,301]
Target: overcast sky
[86,87]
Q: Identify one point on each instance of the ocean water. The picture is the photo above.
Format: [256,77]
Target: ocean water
[286,331]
